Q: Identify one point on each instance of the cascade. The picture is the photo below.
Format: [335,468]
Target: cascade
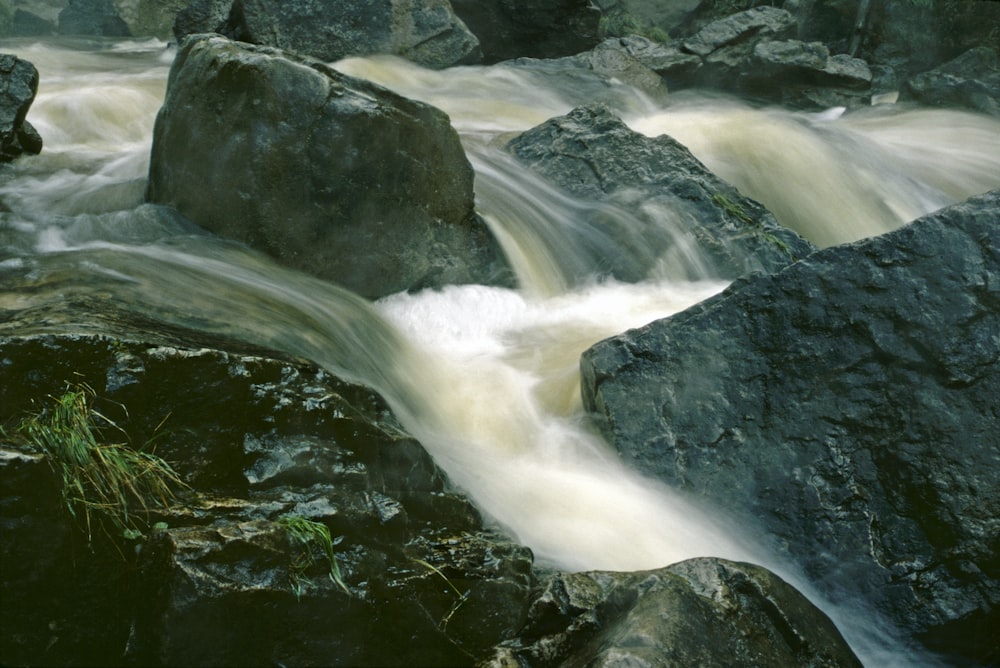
[486,378]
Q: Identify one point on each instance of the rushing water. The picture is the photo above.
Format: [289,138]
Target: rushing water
[485,377]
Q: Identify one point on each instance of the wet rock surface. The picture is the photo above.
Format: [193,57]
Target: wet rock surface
[971,81]
[323,172]
[845,407]
[676,202]
[18,86]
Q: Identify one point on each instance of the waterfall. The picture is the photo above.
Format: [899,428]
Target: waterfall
[485,377]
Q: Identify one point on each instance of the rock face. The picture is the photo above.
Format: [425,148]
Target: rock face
[152,18]
[328,174]
[202,16]
[531,28]
[218,578]
[425,31]
[753,53]
[678,203]
[222,581]
[92,17]
[701,612]
[843,407]
[18,85]
[971,81]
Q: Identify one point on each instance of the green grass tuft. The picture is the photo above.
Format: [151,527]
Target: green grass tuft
[106,484]
[311,534]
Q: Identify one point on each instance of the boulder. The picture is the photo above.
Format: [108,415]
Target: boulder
[28,24]
[842,408]
[678,211]
[700,612]
[971,81]
[411,576]
[752,53]
[149,18]
[676,67]
[509,29]
[92,17]
[328,174]
[18,86]
[202,16]
[426,32]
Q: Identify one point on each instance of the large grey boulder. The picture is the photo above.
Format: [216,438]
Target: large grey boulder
[700,612]
[678,210]
[425,31]
[18,86]
[328,174]
[971,81]
[845,409]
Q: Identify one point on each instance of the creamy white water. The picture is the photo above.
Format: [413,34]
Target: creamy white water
[485,377]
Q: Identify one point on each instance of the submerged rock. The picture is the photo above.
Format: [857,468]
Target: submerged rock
[18,86]
[328,174]
[844,408]
[700,612]
[680,211]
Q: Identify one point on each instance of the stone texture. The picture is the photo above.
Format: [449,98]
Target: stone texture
[700,612]
[971,81]
[843,408]
[676,203]
[425,31]
[18,85]
[328,174]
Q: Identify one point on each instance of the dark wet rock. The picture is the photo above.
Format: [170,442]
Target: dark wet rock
[425,31]
[18,85]
[971,81]
[328,174]
[509,29]
[218,579]
[202,16]
[700,612]
[28,24]
[844,409]
[731,38]
[674,65]
[149,18]
[676,202]
[92,17]
[753,53]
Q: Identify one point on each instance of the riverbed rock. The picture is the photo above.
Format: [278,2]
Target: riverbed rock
[700,612]
[971,81]
[843,408]
[18,86]
[92,17]
[675,204]
[509,29]
[426,32]
[202,16]
[754,53]
[149,18]
[328,174]
[217,579]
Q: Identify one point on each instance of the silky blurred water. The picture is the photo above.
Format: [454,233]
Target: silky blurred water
[486,378]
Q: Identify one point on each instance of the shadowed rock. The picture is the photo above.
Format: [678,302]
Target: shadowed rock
[846,407]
